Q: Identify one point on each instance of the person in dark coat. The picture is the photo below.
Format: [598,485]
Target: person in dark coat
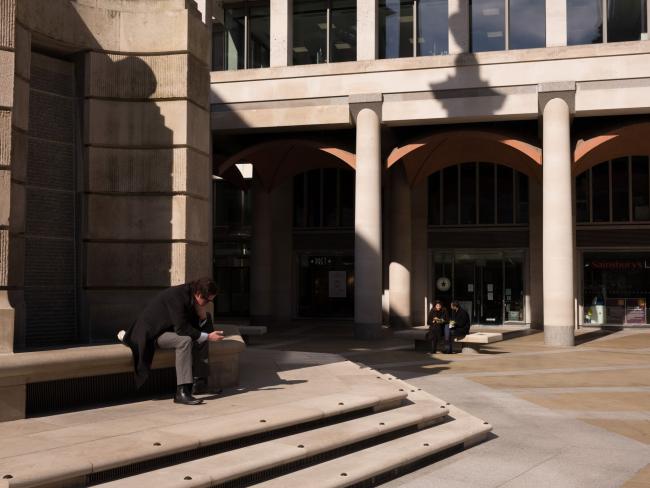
[437,318]
[176,318]
[458,326]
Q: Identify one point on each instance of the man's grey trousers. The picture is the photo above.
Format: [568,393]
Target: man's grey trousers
[191,357]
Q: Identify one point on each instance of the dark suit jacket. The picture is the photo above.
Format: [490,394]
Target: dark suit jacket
[461,317]
[172,310]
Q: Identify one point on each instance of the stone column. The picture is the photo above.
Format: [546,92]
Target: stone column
[281,32]
[399,271]
[261,255]
[367,19]
[459,15]
[535,261]
[556,23]
[282,249]
[366,111]
[556,101]
[419,274]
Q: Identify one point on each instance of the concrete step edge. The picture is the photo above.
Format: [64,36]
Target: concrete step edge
[238,463]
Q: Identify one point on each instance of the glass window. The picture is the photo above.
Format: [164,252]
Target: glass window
[346,195]
[625,20]
[434,198]
[468,193]
[640,193]
[395,29]
[218,47]
[488,25]
[505,195]
[343,31]
[486,193]
[620,190]
[600,192]
[229,204]
[433,37]
[527,24]
[450,195]
[234,44]
[313,199]
[584,22]
[309,32]
[521,190]
[259,21]
[330,189]
[299,200]
[582,197]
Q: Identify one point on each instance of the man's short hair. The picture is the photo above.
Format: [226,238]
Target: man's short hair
[204,287]
[455,304]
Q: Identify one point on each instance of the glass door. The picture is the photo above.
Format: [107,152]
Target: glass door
[490,299]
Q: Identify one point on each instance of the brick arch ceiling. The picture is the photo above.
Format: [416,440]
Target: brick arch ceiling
[276,161]
[447,148]
[618,141]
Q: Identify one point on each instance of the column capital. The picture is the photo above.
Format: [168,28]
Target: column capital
[565,90]
[359,101]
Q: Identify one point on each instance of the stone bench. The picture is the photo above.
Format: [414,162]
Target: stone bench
[471,343]
[246,331]
[20,369]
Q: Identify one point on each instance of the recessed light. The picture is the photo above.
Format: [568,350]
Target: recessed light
[300,49]
[342,45]
[488,12]
[495,34]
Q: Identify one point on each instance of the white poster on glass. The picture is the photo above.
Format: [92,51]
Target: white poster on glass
[337,284]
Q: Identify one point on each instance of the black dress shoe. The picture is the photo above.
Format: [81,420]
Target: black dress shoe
[200,387]
[184,396]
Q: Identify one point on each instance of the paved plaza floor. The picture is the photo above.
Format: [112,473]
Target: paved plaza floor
[576,417]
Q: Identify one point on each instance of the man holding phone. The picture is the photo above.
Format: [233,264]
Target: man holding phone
[177,319]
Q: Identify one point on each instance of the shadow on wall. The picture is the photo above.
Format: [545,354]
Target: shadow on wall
[466,82]
[123,246]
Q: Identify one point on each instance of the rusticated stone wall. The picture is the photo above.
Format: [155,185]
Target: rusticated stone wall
[143,148]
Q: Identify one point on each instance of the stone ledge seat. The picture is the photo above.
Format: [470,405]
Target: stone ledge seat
[471,343]
[20,369]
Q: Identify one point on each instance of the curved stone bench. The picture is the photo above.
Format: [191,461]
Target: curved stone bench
[20,369]
[471,343]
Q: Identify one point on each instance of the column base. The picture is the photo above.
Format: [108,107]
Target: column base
[367,331]
[559,335]
[399,322]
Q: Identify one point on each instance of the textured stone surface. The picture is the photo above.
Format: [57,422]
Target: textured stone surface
[5,195]
[20,116]
[148,170]
[6,79]
[5,137]
[12,402]
[152,32]
[23,52]
[4,256]
[7,23]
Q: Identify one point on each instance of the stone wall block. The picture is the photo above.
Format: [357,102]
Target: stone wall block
[120,76]
[199,40]
[198,82]
[157,124]
[197,262]
[4,257]
[7,23]
[195,175]
[198,128]
[6,79]
[153,31]
[12,402]
[5,138]
[5,194]
[193,216]
[23,52]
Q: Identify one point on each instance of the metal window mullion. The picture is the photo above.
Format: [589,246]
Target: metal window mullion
[415,28]
[246,34]
[605,21]
[506,21]
[328,22]
[611,188]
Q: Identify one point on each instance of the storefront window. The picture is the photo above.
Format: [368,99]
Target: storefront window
[586,24]
[616,288]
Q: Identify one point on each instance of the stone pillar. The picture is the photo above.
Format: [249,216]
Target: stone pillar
[419,274]
[281,32]
[535,260]
[459,16]
[556,103]
[399,272]
[366,111]
[556,23]
[261,256]
[282,238]
[367,21]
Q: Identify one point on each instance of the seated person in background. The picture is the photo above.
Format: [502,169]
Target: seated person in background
[438,317]
[176,319]
[458,326]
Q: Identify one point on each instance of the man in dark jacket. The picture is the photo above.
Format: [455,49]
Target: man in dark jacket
[458,326]
[176,318]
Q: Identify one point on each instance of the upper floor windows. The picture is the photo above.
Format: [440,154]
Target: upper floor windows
[625,21]
[324,198]
[507,24]
[240,36]
[614,191]
[400,22]
[324,31]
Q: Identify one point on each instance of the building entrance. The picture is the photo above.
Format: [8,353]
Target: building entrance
[488,285]
[326,286]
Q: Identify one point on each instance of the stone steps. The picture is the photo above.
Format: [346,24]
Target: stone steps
[239,463]
[67,456]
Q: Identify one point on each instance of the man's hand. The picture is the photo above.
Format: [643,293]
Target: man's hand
[215,336]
